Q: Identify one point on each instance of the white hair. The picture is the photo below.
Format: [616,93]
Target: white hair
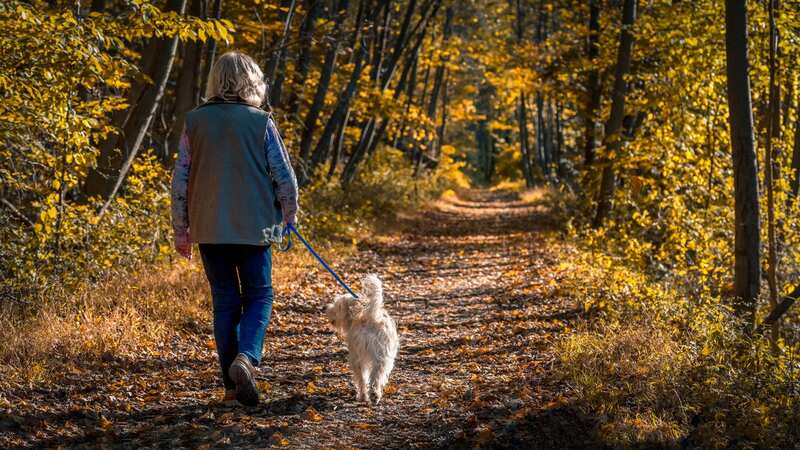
[236,75]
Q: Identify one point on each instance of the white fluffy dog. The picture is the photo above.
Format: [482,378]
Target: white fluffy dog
[371,337]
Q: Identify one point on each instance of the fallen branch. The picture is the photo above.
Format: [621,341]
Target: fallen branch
[17,212]
[780,309]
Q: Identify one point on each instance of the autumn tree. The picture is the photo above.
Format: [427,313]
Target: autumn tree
[747,273]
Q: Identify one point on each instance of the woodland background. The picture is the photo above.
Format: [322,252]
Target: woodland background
[620,112]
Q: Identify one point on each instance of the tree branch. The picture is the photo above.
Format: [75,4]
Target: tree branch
[780,309]
[16,212]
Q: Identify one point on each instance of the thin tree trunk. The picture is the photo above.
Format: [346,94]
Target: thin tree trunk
[540,135]
[438,79]
[338,144]
[356,36]
[522,115]
[410,92]
[559,141]
[483,135]
[313,8]
[443,123]
[278,55]
[795,182]
[322,86]
[211,49]
[613,137]
[380,36]
[593,85]
[398,89]
[747,272]
[773,134]
[187,91]
[368,138]
[548,137]
[118,152]
[340,113]
[522,109]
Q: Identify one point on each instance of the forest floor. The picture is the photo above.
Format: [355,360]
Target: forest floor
[473,285]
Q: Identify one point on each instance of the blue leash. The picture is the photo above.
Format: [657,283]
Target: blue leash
[286,232]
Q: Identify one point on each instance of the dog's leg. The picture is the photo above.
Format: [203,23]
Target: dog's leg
[379,376]
[359,381]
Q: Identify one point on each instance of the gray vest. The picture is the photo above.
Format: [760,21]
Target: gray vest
[231,195]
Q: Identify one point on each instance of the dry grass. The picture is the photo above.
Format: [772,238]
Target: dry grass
[632,376]
[124,316]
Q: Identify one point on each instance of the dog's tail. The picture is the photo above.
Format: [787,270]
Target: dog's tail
[373,290]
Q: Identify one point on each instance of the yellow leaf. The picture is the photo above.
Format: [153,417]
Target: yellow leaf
[278,439]
[312,415]
[105,423]
[310,388]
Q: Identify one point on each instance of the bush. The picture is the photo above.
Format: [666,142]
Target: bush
[660,367]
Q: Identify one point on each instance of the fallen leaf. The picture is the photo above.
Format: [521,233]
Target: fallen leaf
[312,415]
[278,439]
[105,423]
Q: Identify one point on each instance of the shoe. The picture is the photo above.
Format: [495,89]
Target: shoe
[230,398]
[242,373]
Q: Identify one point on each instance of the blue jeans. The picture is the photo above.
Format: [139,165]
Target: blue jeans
[241,289]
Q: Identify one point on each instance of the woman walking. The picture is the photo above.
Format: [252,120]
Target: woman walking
[233,192]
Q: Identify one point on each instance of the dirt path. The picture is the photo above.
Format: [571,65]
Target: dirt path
[471,283]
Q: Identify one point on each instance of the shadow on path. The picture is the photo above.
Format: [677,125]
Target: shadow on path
[465,282]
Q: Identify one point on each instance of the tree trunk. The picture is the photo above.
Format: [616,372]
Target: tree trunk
[398,89]
[613,137]
[522,115]
[313,8]
[211,50]
[187,91]
[322,150]
[522,109]
[118,151]
[338,144]
[380,35]
[593,85]
[368,139]
[559,141]
[323,84]
[483,135]
[410,92]
[795,183]
[773,134]
[278,55]
[443,124]
[438,78]
[747,271]
[541,135]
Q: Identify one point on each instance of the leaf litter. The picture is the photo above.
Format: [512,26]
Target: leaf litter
[473,285]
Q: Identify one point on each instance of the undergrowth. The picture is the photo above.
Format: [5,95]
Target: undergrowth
[661,365]
[114,287]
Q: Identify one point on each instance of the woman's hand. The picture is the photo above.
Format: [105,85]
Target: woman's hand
[183,245]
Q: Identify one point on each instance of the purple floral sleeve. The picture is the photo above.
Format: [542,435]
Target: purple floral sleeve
[281,171]
[180,190]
